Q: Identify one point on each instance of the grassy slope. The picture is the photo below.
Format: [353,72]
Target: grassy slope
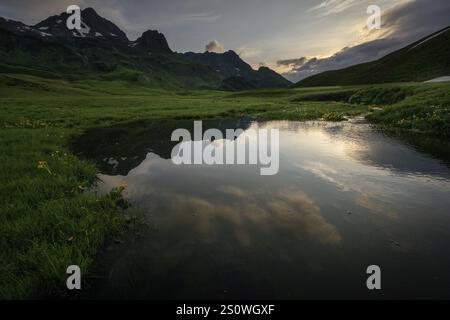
[48,222]
[416,62]
[33,56]
[425,109]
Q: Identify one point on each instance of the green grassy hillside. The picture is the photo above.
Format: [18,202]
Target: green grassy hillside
[423,60]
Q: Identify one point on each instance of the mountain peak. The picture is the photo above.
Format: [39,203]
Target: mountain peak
[93,25]
[89,10]
[152,41]
[101,27]
[231,53]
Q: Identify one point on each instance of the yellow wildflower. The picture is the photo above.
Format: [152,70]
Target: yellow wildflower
[43,165]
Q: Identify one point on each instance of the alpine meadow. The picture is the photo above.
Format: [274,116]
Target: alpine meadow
[86,117]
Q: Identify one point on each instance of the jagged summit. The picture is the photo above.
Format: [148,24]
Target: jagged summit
[102,50]
[93,25]
[239,74]
[228,63]
[152,41]
[22,29]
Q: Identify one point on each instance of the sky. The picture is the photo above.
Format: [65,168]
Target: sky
[295,37]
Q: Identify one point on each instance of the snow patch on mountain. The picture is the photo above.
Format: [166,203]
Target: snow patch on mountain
[44,34]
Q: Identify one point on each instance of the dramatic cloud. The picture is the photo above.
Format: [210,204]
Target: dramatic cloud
[416,18]
[215,46]
[293,62]
[304,67]
[401,25]
[328,7]
[248,53]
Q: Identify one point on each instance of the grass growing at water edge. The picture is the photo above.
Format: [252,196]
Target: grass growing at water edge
[49,221]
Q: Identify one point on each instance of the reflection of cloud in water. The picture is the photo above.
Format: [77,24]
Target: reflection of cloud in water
[378,149]
[292,213]
[296,208]
[368,202]
[368,195]
[323,155]
[324,172]
[235,191]
[363,144]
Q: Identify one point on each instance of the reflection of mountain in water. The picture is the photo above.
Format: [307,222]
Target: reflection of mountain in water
[121,148]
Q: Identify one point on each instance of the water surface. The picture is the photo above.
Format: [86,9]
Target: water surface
[347,196]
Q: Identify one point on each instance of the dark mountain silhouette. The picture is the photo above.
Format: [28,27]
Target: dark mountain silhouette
[238,74]
[93,26]
[152,41]
[100,50]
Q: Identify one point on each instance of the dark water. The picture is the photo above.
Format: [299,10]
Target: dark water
[347,196]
